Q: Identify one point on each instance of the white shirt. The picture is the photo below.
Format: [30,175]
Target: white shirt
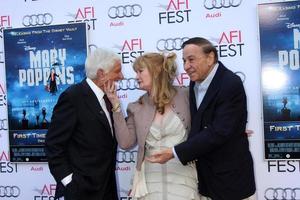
[200,88]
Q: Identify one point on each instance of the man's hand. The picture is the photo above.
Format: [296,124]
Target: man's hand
[249,132]
[161,156]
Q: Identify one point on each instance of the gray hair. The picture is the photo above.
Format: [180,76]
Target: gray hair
[100,59]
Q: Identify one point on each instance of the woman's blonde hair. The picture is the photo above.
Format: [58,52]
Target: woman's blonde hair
[162,69]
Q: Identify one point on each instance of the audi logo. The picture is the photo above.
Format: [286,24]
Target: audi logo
[3,125]
[127,84]
[126,156]
[170,44]
[218,4]
[282,194]
[92,47]
[9,191]
[241,75]
[134,10]
[1,53]
[37,20]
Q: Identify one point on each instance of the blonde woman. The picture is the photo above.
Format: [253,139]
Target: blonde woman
[157,120]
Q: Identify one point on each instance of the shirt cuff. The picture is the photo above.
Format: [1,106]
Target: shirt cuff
[175,154]
[65,181]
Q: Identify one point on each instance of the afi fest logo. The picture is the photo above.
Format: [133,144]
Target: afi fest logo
[230,44]
[131,49]
[283,166]
[7,167]
[177,11]
[2,96]
[46,193]
[5,21]
[85,14]
[125,194]
[182,79]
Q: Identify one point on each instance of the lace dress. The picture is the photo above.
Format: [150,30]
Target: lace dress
[169,181]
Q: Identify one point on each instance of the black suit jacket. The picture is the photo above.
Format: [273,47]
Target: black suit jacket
[217,141]
[79,141]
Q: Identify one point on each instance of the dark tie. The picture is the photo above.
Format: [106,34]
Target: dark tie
[108,106]
[107,103]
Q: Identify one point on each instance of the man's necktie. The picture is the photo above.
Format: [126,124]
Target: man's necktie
[108,106]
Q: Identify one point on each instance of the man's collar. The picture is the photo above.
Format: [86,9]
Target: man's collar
[98,92]
[206,82]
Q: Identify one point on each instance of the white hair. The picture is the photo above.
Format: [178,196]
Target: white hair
[100,59]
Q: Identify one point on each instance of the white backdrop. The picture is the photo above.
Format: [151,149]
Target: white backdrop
[149,26]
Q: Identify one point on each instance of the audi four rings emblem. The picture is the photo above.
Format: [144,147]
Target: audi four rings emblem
[9,191]
[3,124]
[282,194]
[170,44]
[127,84]
[134,10]
[37,19]
[241,75]
[126,156]
[218,4]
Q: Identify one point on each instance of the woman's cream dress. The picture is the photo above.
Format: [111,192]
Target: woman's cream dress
[169,181]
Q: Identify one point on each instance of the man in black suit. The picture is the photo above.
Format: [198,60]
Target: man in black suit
[217,141]
[80,144]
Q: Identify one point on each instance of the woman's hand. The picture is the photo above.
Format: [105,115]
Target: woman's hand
[110,90]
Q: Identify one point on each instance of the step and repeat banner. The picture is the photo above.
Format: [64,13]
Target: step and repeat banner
[47,40]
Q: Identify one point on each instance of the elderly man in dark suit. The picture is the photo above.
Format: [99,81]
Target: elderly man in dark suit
[80,144]
[217,141]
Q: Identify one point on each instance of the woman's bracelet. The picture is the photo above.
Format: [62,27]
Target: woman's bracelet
[116,107]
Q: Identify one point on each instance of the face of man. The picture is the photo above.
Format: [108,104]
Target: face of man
[115,73]
[109,77]
[197,64]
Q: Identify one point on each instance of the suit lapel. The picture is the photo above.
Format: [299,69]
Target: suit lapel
[93,104]
[148,115]
[192,96]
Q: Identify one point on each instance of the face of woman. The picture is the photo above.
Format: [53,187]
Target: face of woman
[144,79]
